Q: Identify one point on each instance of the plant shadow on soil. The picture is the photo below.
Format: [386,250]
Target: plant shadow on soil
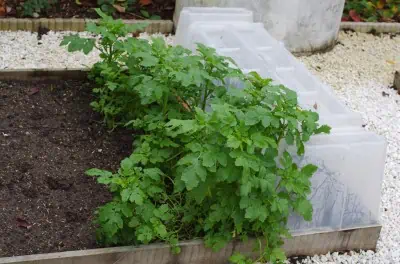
[49,136]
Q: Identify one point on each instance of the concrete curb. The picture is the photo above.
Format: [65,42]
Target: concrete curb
[74,24]
[368,27]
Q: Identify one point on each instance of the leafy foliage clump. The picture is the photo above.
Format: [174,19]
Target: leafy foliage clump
[36,6]
[111,7]
[372,10]
[211,157]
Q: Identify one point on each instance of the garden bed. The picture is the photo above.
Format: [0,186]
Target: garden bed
[48,137]
[85,9]
[51,136]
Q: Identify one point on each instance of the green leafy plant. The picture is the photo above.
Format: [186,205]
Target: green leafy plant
[107,6]
[36,6]
[213,148]
[372,10]
[147,15]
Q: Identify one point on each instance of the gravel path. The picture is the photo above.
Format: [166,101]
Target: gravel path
[43,53]
[360,69]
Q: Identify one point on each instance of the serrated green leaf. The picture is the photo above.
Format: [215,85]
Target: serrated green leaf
[277,255]
[280,205]
[189,177]
[177,127]
[309,170]
[266,121]
[252,118]
[323,129]
[133,195]
[147,60]
[98,172]
[261,141]
[233,142]
[137,197]
[144,234]
[229,174]
[145,13]
[286,160]
[127,164]
[304,208]
[155,17]
[209,159]
[134,222]
[153,173]
[222,158]
[161,230]
[245,188]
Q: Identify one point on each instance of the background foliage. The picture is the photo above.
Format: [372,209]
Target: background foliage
[372,10]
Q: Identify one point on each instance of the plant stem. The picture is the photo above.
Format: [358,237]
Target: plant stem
[203,106]
[176,155]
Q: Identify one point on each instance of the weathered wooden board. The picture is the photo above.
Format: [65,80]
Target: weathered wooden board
[75,24]
[194,252]
[43,74]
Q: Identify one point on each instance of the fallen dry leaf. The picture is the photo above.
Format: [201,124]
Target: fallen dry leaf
[119,8]
[381,4]
[23,223]
[345,19]
[33,91]
[145,2]
[3,9]
[355,16]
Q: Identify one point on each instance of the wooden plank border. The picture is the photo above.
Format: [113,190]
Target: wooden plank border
[43,74]
[155,26]
[75,24]
[194,252]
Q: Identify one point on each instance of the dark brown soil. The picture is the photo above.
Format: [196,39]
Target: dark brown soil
[49,136]
[70,8]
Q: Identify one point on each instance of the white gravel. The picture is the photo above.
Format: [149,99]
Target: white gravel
[24,50]
[360,70]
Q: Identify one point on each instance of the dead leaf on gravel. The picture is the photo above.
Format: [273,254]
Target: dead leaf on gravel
[3,9]
[145,2]
[119,8]
[23,223]
[33,91]
[355,16]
